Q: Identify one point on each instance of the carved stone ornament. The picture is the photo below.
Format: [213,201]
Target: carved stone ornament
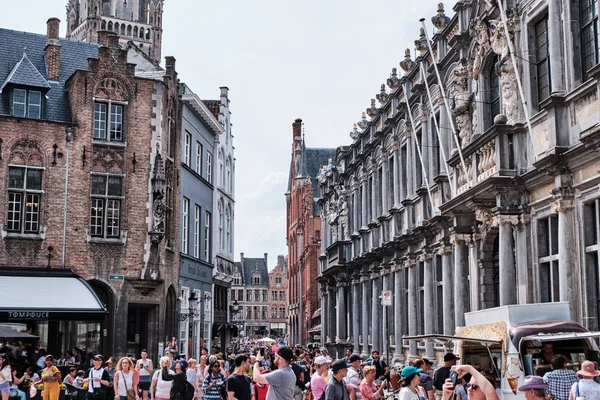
[322,175]
[382,97]
[479,31]
[407,64]
[372,110]
[107,160]
[440,20]
[111,89]
[26,152]
[393,82]
[354,134]
[363,123]
[461,103]
[421,43]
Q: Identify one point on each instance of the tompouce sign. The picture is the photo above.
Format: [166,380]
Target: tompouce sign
[28,314]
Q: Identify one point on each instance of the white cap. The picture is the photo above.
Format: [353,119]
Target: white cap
[320,360]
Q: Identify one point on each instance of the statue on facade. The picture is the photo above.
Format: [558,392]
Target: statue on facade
[372,110]
[343,211]
[393,82]
[480,33]
[504,68]
[382,97]
[461,103]
[354,134]
[440,20]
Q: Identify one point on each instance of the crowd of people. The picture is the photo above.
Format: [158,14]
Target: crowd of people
[256,371]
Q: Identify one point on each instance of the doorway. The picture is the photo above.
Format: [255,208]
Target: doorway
[137,328]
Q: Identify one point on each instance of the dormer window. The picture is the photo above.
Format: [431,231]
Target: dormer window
[27,103]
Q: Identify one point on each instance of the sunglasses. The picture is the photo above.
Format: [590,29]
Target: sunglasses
[472,386]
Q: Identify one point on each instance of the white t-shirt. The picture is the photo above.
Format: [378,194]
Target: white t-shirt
[5,375]
[407,394]
[125,382]
[95,373]
[163,388]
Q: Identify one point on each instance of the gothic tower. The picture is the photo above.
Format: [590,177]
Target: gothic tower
[137,21]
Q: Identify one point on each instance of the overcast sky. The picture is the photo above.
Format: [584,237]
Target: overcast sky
[319,60]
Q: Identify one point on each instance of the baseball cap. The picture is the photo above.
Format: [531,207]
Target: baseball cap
[354,357]
[410,370]
[427,361]
[320,360]
[98,357]
[450,357]
[286,353]
[338,365]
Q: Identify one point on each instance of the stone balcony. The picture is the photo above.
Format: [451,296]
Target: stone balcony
[337,255]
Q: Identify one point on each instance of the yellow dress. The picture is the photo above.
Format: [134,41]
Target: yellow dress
[51,389]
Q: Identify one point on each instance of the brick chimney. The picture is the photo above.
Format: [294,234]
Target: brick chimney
[297,130]
[52,50]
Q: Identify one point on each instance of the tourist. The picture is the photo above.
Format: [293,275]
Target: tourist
[51,378]
[125,380]
[162,385]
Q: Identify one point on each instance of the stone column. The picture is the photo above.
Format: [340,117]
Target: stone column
[474,271]
[567,256]
[461,284]
[555,46]
[376,311]
[341,333]
[325,316]
[523,246]
[448,289]
[356,311]
[332,314]
[428,289]
[399,310]
[385,317]
[357,211]
[409,163]
[374,197]
[507,272]
[413,317]
[365,316]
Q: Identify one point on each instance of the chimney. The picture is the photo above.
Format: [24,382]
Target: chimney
[52,50]
[242,257]
[297,130]
[267,259]
[170,66]
[108,39]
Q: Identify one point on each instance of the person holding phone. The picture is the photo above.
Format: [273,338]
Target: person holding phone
[213,382]
[443,373]
[478,388]
[145,368]
[282,381]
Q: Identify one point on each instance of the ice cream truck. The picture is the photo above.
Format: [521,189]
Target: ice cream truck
[506,343]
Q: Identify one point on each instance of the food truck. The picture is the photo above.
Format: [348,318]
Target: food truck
[505,343]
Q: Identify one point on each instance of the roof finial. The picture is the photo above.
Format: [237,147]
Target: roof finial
[24,52]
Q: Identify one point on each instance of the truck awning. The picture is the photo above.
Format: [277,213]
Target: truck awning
[444,339]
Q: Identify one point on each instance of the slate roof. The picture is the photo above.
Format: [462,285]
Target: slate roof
[314,159]
[73,56]
[24,73]
[213,106]
[247,268]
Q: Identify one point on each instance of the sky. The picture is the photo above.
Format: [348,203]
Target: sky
[319,60]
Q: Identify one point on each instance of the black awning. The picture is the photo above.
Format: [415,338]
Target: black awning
[47,294]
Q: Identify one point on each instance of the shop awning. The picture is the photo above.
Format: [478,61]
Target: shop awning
[47,294]
[315,329]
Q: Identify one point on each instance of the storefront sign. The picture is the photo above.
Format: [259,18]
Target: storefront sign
[115,277]
[28,314]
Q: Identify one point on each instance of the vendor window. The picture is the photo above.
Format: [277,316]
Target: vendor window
[105,211]
[24,198]
[548,258]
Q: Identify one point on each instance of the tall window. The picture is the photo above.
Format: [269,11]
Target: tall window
[108,121]
[264,313]
[185,225]
[494,95]
[542,59]
[274,295]
[257,296]
[265,296]
[229,180]
[588,32]
[199,158]
[591,230]
[197,231]
[209,167]
[105,213]
[207,236]
[248,312]
[281,312]
[278,280]
[228,227]
[547,236]
[248,295]
[274,312]
[27,103]
[187,149]
[221,170]
[24,197]
[221,242]
[256,279]
[281,295]
[418,167]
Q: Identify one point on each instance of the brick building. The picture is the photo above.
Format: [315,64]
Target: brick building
[118,129]
[278,299]
[303,233]
[250,288]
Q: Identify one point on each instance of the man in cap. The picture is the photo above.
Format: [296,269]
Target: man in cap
[534,388]
[443,373]
[352,380]
[317,380]
[335,389]
[281,381]
[381,368]
[97,379]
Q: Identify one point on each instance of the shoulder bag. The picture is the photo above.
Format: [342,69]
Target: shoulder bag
[130,392]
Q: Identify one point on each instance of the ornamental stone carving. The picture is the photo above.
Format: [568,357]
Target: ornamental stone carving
[479,31]
[354,134]
[461,103]
[407,64]
[363,123]
[372,110]
[440,20]
[382,97]
[504,68]
[393,82]
[421,43]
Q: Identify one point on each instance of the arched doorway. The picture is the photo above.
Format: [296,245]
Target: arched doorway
[171,314]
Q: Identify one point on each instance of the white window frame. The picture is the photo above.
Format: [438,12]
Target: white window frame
[184,325]
[206,236]
[199,157]
[108,121]
[187,149]
[27,104]
[228,172]
[28,204]
[185,228]
[209,157]
[197,213]
[228,227]
[106,199]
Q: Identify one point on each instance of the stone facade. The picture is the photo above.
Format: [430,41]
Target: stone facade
[446,198]
[303,233]
[251,290]
[121,214]
[278,299]
[137,21]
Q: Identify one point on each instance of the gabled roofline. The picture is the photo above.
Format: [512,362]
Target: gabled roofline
[203,112]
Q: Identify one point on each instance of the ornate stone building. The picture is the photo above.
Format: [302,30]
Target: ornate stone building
[458,192]
[89,160]
[135,21]
[303,233]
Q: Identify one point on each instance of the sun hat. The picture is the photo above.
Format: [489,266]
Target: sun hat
[410,370]
[533,382]
[588,368]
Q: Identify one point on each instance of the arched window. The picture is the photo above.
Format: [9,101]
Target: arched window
[148,34]
[228,227]
[103,25]
[229,180]
[494,95]
[128,30]
[141,33]
[135,31]
[221,169]
[110,26]
[117,27]
[123,29]
[220,207]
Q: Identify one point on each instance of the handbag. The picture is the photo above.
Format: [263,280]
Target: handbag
[130,392]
